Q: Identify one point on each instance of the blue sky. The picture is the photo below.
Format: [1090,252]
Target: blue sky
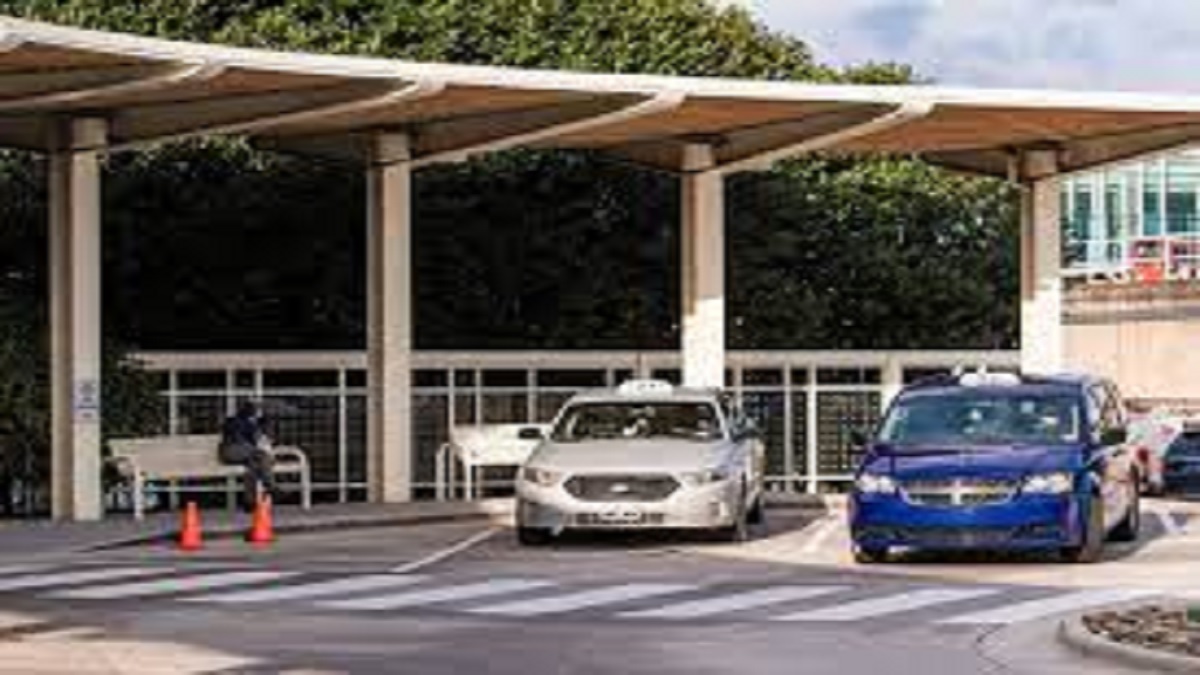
[1149,45]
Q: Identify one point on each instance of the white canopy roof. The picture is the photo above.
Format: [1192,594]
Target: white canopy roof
[153,90]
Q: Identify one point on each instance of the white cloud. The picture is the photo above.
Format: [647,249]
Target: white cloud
[1095,44]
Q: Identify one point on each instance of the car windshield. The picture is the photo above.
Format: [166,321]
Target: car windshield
[1186,445]
[983,418]
[595,421]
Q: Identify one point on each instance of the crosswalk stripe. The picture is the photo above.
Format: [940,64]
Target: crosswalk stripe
[7,570]
[696,609]
[891,604]
[584,599]
[432,596]
[366,582]
[31,581]
[183,584]
[1037,609]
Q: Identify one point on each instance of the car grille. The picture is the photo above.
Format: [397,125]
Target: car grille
[614,488]
[958,492]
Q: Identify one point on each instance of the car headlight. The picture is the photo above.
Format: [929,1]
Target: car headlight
[705,477]
[1049,484]
[542,477]
[875,484]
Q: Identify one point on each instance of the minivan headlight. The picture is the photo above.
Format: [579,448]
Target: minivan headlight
[875,484]
[542,477]
[1049,483]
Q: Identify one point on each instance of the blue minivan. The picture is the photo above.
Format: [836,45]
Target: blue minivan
[997,461]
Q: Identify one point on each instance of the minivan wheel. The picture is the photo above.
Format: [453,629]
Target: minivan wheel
[533,536]
[870,555]
[1093,537]
[1128,529]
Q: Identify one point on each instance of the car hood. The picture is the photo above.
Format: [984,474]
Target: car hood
[630,455]
[1013,462]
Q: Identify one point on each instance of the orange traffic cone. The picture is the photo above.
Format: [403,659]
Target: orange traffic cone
[189,529]
[261,531]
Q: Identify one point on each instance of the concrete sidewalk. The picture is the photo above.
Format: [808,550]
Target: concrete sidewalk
[45,538]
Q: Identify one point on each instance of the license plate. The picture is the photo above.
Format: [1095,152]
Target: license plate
[621,517]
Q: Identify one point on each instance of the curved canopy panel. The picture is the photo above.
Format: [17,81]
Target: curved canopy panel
[154,90]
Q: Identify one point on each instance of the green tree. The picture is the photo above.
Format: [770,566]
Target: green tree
[215,245]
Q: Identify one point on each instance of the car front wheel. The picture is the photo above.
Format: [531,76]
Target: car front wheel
[1131,525]
[1093,536]
[533,536]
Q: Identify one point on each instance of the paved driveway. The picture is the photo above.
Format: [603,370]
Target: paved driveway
[460,598]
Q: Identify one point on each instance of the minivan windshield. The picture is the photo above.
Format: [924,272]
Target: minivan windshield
[983,418]
[637,419]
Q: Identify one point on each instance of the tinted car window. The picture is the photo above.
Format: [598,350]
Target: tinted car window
[984,418]
[1186,445]
[600,421]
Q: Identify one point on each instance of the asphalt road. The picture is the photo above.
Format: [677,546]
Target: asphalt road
[457,598]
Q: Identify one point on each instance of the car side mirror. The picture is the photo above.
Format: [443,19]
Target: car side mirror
[530,434]
[858,438]
[1114,436]
[747,429]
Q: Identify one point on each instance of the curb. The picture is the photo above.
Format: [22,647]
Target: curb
[235,531]
[802,503]
[1075,635]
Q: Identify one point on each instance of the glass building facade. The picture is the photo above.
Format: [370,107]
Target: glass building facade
[1134,216]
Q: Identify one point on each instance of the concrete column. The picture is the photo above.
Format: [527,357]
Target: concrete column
[1041,269]
[389,319]
[75,323]
[892,380]
[703,270]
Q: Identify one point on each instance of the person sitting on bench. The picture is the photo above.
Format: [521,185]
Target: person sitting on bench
[245,441]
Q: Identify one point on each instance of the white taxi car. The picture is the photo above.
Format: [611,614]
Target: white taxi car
[644,455]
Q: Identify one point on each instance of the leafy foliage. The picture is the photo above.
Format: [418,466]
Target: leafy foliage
[214,245]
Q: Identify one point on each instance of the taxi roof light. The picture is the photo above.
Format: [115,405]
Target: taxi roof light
[982,378]
[645,388]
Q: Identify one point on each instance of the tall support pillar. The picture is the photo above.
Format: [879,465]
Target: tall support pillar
[1041,266]
[703,269]
[75,318]
[389,319]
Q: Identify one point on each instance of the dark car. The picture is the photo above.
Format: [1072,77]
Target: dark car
[998,461]
[1181,472]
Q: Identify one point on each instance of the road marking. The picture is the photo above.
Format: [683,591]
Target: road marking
[78,577]
[7,570]
[822,533]
[366,582]
[1169,524]
[1037,609]
[696,609]
[184,584]
[893,604]
[447,552]
[475,591]
[572,601]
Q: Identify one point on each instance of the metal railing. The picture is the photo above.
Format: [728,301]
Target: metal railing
[807,403]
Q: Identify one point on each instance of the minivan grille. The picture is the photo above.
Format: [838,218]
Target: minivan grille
[958,492]
[622,488]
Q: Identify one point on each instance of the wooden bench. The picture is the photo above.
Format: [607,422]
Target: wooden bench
[172,458]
